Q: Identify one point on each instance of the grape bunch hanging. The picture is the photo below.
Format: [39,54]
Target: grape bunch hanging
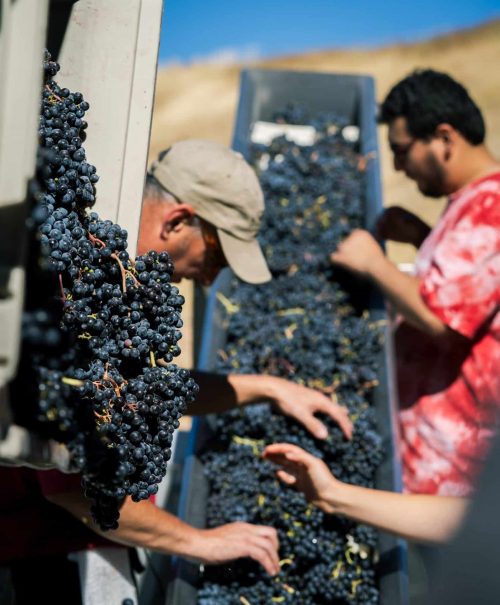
[100,329]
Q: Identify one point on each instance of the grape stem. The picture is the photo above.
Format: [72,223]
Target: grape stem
[114,256]
[337,570]
[125,273]
[106,417]
[74,382]
[53,93]
[63,296]
[222,354]
[277,361]
[354,586]
[95,240]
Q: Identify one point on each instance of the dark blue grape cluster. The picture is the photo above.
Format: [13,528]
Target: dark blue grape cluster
[100,329]
[305,182]
[311,326]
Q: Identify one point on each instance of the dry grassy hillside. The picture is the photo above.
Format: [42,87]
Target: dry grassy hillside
[200,100]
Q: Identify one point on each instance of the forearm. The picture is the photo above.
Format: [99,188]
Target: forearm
[219,393]
[417,517]
[142,524]
[361,253]
[403,292]
[145,525]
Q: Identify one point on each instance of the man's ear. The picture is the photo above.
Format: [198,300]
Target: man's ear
[448,136]
[175,218]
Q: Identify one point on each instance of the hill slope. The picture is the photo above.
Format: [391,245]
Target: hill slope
[200,100]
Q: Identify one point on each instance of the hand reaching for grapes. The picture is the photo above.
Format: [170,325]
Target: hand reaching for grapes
[237,540]
[305,472]
[220,393]
[302,403]
[358,252]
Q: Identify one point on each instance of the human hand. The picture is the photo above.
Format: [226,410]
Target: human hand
[358,253]
[305,472]
[237,540]
[302,403]
[400,225]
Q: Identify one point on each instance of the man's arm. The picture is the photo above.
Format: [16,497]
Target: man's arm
[361,254]
[144,525]
[219,393]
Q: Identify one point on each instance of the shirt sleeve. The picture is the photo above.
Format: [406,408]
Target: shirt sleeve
[462,283]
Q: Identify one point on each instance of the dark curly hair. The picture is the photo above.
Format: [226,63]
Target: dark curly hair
[427,98]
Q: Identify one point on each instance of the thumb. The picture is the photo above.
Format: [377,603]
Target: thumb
[286,477]
[333,255]
[316,427]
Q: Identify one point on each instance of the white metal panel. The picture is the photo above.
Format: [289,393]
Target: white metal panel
[110,54]
[22,39]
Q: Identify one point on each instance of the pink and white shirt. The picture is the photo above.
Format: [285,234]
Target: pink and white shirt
[450,397]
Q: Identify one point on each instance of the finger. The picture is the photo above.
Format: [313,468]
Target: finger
[271,550]
[282,448]
[340,415]
[286,477]
[298,461]
[275,450]
[278,459]
[261,557]
[315,427]
[337,258]
[260,550]
[283,461]
[269,533]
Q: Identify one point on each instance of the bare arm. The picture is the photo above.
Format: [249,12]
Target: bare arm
[417,517]
[219,393]
[422,518]
[361,254]
[403,292]
[144,525]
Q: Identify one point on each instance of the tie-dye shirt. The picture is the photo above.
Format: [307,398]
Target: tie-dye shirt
[450,396]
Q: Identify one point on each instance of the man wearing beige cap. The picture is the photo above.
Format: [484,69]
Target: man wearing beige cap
[203,205]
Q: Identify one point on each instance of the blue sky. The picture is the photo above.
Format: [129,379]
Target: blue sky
[225,30]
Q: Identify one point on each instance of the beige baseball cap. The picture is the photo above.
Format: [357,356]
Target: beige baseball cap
[223,190]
